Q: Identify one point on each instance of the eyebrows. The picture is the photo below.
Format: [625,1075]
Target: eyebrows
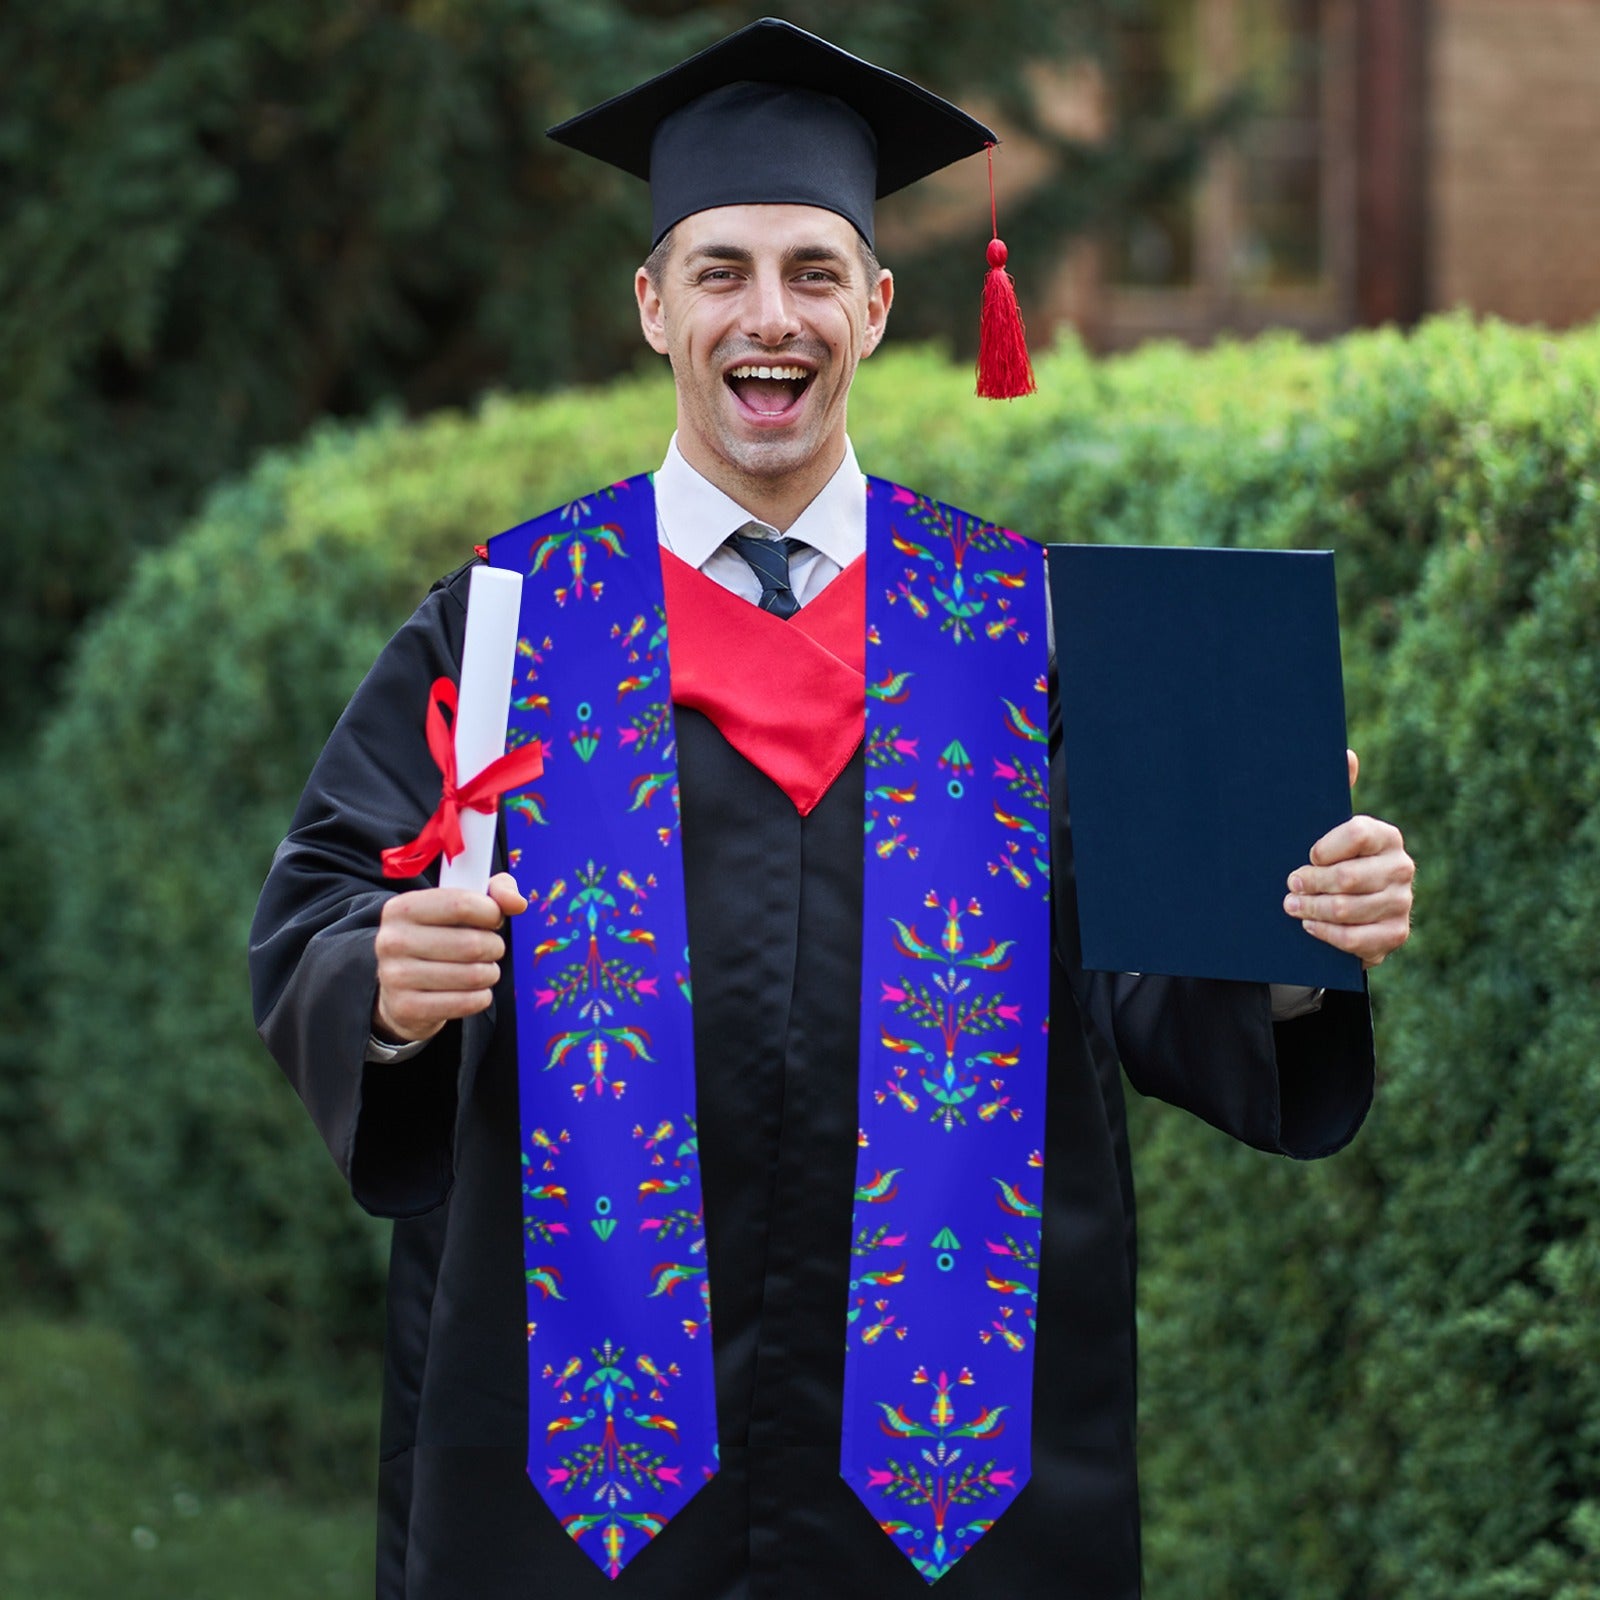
[797,255]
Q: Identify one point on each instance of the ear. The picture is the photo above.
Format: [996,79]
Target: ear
[879,300]
[652,315]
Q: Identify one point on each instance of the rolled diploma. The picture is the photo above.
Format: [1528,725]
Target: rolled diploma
[488,664]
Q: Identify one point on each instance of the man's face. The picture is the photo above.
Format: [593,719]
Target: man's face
[780,290]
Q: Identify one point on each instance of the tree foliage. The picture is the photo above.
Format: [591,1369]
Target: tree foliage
[218,224]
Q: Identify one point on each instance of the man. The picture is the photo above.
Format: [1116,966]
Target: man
[395,1018]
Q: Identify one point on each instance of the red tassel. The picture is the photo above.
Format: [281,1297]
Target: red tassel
[1004,370]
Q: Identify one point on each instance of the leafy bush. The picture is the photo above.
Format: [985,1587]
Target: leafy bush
[1376,1378]
[192,1208]
[1370,1378]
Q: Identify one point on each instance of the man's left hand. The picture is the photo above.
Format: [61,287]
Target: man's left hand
[1355,893]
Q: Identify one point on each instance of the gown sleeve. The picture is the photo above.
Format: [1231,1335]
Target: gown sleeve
[1300,1088]
[390,1127]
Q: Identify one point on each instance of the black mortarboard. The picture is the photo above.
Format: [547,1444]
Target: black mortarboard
[774,115]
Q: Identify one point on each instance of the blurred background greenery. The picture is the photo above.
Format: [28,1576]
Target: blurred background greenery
[295,307]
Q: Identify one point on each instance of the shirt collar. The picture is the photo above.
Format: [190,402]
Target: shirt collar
[695,517]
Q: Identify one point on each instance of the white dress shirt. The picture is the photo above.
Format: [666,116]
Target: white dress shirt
[693,520]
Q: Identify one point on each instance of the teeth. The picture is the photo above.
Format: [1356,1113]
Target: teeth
[797,374]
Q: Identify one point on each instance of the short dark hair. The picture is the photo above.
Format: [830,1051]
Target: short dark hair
[655,264]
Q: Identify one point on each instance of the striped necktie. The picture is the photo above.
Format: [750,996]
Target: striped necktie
[769,560]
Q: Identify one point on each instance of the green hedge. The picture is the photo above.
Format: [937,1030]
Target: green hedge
[1378,1377]
[193,1205]
[1371,1378]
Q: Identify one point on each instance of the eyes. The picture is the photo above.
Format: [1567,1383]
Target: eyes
[804,277]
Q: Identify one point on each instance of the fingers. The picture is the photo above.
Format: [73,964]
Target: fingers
[1372,941]
[437,977]
[504,892]
[1316,889]
[1356,892]
[438,957]
[1360,836]
[446,908]
[399,939]
[411,1015]
[1372,905]
[1353,761]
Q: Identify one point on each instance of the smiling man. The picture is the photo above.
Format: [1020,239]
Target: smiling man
[764,1216]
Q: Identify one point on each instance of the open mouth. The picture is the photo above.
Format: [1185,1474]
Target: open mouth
[769,391]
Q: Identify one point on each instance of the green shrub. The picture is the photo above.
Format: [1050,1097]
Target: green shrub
[1371,1378]
[194,1208]
[1376,1378]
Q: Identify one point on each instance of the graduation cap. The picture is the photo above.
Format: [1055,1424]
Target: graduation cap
[773,115]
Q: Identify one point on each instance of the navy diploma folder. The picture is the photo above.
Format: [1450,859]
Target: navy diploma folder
[1202,713]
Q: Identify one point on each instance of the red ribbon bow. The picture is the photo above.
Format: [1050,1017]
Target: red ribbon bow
[442,831]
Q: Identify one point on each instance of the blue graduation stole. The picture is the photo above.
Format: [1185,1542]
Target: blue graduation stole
[955,984]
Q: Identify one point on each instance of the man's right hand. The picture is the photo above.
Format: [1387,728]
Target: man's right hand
[439,954]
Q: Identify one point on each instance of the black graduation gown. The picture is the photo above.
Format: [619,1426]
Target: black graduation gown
[774,923]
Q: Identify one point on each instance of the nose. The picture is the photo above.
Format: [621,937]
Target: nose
[771,317]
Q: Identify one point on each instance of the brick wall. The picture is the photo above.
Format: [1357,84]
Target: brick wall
[1514,162]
